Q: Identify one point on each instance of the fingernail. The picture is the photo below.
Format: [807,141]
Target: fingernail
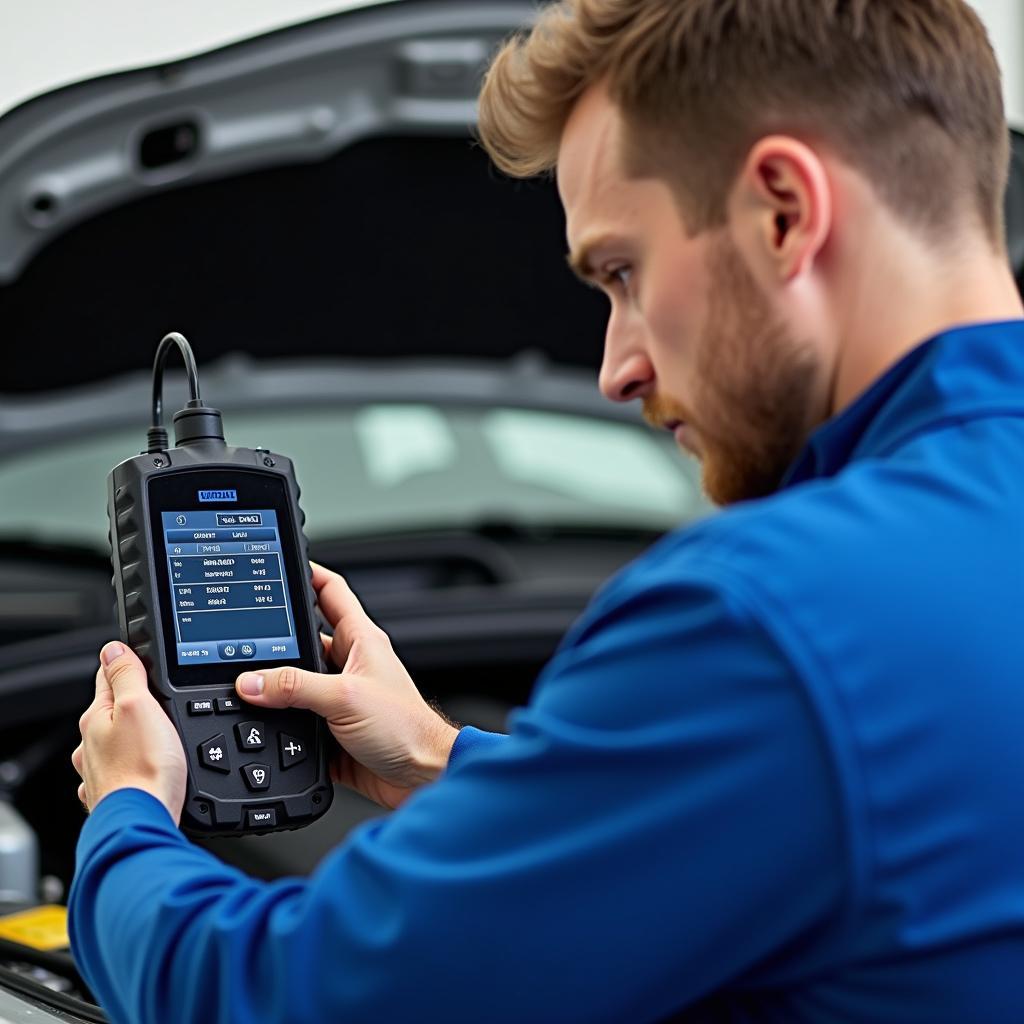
[111,653]
[250,683]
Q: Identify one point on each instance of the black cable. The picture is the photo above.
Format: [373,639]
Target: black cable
[157,435]
[174,338]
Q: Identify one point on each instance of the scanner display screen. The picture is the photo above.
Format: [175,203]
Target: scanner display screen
[229,592]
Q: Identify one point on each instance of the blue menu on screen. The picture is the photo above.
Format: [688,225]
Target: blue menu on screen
[228,588]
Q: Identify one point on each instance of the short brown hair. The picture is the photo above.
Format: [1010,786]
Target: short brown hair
[907,92]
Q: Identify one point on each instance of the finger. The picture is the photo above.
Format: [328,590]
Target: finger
[293,688]
[125,674]
[341,608]
[328,645]
[341,769]
[104,698]
[321,574]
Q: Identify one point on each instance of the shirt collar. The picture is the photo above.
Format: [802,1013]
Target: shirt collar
[962,373]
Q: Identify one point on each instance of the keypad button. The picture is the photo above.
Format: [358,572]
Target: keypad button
[250,735]
[261,817]
[200,707]
[213,753]
[257,776]
[293,750]
[226,705]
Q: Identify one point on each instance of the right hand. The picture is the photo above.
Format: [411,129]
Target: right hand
[391,741]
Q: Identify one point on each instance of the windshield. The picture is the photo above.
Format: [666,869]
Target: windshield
[391,467]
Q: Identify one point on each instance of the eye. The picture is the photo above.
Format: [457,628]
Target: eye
[619,276]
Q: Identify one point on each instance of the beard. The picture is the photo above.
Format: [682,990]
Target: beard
[755,387]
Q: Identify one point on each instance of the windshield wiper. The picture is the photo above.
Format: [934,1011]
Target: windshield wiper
[59,964]
[24,547]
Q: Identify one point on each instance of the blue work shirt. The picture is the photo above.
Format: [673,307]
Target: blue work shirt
[774,773]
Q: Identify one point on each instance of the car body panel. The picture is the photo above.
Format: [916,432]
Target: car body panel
[110,37]
[293,95]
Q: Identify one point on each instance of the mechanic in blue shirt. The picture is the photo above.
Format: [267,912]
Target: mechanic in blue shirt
[775,771]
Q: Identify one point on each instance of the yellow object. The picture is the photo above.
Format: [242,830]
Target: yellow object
[43,927]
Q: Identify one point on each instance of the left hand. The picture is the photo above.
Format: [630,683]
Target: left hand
[127,739]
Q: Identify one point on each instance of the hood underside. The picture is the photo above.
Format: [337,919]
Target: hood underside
[312,192]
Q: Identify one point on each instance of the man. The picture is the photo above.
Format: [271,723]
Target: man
[774,771]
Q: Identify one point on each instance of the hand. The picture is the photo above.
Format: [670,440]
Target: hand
[391,740]
[127,739]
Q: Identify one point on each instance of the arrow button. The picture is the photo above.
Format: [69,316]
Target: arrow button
[213,753]
[250,735]
[257,776]
[293,750]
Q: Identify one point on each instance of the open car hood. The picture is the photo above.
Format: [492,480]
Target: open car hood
[311,192]
[97,40]
[314,191]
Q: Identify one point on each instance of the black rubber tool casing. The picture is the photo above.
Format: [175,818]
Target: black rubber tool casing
[283,782]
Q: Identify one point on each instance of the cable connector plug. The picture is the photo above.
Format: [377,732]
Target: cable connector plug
[156,440]
[198,422]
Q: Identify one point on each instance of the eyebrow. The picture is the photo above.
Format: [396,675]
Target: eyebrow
[581,261]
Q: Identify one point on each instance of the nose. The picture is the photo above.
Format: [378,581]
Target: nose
[626,371]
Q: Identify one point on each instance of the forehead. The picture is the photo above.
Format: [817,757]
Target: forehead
[598,197]
[589,172]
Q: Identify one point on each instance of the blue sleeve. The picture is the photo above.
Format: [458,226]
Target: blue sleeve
[471,739]
[661,823]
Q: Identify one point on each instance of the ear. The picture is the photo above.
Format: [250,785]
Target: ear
[784,198]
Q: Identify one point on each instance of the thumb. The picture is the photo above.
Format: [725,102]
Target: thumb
[290,687]
[124,673]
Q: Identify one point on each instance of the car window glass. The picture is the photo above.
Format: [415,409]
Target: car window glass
[400,441]
[393,466]
[60,493]
[604,463]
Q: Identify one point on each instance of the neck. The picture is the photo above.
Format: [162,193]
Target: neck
[909,292]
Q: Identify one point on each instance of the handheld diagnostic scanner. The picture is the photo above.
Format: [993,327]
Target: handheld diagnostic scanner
[212,577]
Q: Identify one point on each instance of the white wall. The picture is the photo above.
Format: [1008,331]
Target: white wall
[1005,22]
[45,43]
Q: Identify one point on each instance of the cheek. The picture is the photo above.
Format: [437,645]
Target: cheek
[675,301]
[673,326]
